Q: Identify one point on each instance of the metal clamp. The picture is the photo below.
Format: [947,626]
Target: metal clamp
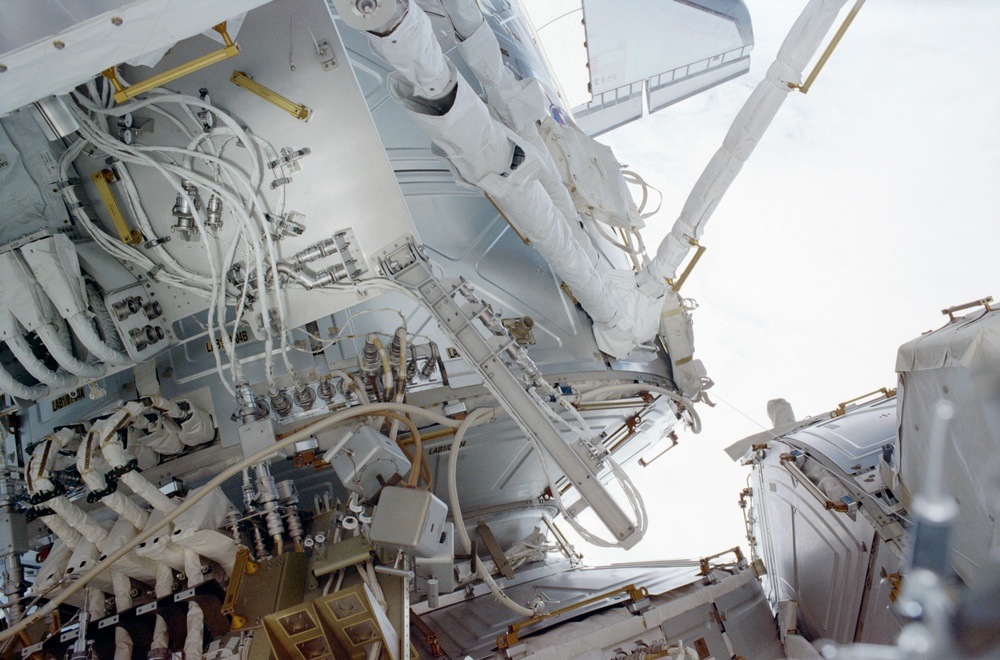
[112,480]
[38,512]
[40,498]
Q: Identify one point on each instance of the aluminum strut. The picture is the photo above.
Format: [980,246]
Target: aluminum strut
[403,263]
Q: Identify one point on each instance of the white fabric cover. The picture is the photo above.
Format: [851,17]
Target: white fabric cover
[82,560]
[532,197]
[677,332]
[198,429]
[159,547]
[20,201]
[592,174]
[197,527]
[163,437]
[797,648]
[90,464]
[94,43]
[131,565]
[474,143]
[22,295]
[796,51]
[960,363]
[414,52]
[56,267]
[780,412]
[465,16]
[59,348]
[53,568]
[22,351]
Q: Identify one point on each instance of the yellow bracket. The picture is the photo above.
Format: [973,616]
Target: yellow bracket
[804,87]
[104,179]
[699,250]
[705,563]
[896,580]
[123,93]
[294,109]
[510,638]
[842,407]
[242,566]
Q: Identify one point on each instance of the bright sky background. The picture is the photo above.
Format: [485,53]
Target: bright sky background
[871,204]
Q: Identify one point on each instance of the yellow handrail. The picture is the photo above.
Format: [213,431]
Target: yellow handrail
[123,93]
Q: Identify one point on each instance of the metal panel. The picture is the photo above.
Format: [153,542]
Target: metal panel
[472,626]
[853,441]
[814,556]
[749,622]
[880,624]
[49,47]
[345,182]
[618,37]
[673,86]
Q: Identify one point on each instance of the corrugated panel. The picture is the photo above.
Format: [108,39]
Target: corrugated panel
[814,556]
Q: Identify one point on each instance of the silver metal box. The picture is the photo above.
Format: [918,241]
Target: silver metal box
[368,460]
[411,520]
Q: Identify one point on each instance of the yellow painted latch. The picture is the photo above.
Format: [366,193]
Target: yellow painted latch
[246,82]
[103,179]
[123,93]
[896,580]
[511,638]
[804,87]
[243,565]
[699,250]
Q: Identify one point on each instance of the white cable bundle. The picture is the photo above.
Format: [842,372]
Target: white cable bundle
[241,196]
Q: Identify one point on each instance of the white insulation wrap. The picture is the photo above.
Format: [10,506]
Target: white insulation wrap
[53,568]
[481,52]
[196,529]
[163,437]
[56,266]
[13,387]
[960,362]
[591,172]
[58,345]
[131,565]
[796,51]
[22,295]
[159,547]
[22,351]
[117,502]
[414,52]
[198,428]
[83,558]
[531,195]
[520,105]
[473,142]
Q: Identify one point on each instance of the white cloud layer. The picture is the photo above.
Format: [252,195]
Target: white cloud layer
[872,203]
